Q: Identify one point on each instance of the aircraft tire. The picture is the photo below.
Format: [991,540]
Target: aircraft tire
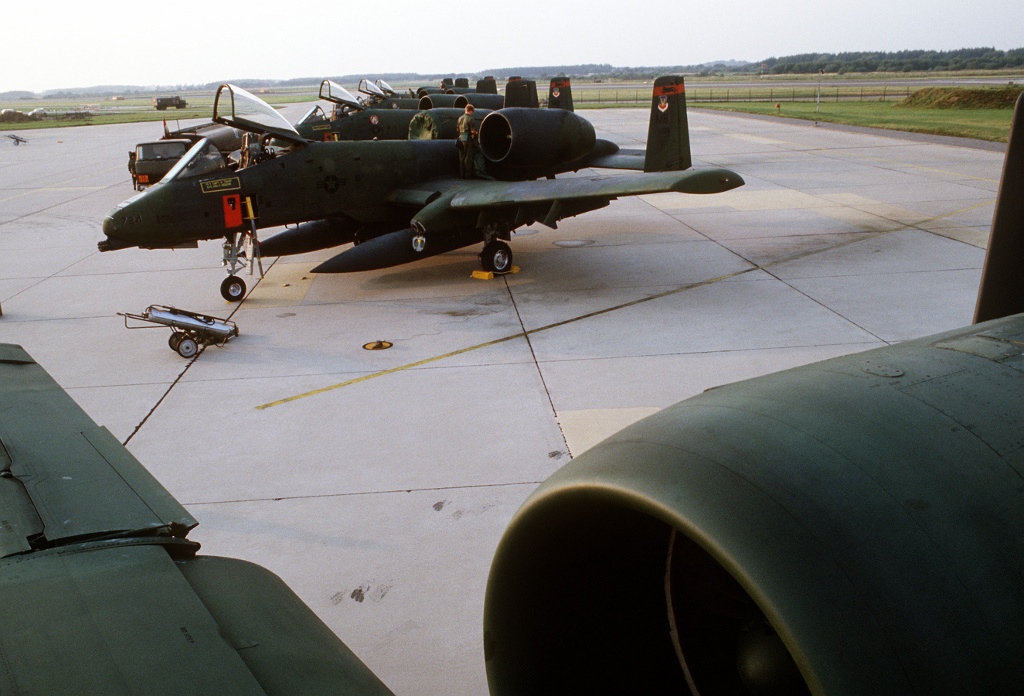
[174,340]
[496,257]
[232,289]
[187,347]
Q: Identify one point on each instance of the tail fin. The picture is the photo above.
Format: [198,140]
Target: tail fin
[488,85]
[1002,288]
[560,94]
[668,136]
[520,92]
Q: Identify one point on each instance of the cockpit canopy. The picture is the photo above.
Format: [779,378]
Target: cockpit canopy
[371,90]
[240,109]
[314,115]
[335,93]
[203,158]
[386,88]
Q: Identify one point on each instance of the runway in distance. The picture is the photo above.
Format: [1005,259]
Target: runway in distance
[850,527]
[400,201]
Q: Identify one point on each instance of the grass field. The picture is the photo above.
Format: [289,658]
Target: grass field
[983,124]
[854,100]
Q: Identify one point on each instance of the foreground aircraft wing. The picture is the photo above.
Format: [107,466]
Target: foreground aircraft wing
[69,478]
[102,592]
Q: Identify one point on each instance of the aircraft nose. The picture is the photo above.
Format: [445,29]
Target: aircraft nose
[114,231]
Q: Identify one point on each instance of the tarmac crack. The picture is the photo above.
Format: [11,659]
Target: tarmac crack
[190,363]
[391,491]
[536,363]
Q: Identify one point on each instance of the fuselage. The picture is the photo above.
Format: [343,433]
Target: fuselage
[320,180]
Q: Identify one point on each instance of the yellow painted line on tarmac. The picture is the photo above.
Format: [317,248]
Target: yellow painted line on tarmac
[599,312]
[843,151]
[521,334]
[914,166]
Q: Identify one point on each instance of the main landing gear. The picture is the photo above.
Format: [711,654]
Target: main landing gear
[496,256]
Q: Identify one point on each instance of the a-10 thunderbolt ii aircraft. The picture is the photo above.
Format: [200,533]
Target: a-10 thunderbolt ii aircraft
[400,201]
[433,116]
[850,527]
[354,119]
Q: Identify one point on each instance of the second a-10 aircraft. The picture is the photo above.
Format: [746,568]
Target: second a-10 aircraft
[399,201]
[383,115]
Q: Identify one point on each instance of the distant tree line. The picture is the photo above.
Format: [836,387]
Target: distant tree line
[898,61]
[804,63]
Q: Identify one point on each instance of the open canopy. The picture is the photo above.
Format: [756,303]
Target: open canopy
[372,90]
[386,88]
[336,94]
[235,107]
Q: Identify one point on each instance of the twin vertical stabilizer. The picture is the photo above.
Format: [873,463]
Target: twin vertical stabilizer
[668,136]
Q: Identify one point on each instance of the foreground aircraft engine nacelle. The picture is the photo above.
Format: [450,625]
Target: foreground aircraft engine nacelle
[847,528]
[524,137]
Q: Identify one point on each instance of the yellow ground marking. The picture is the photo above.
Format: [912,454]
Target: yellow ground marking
[760,140]
[625,305]
[851,153]
[957,232]
[521,334]
[913,166]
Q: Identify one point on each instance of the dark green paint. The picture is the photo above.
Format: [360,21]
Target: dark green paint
[102,593]
[374,184]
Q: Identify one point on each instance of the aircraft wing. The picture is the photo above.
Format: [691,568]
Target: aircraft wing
[482,194]
[448,206]
[102,593]
[549,200]
[67,477]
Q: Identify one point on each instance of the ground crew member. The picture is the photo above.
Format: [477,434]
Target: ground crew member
[131,169]
[467,143]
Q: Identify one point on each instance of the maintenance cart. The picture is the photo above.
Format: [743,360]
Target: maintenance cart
[189,330]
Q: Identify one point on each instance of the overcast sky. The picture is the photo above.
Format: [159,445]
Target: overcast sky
[84,44]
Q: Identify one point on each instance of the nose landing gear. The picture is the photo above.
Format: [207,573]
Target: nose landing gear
[240,248]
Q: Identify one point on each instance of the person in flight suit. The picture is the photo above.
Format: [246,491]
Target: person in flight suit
[467,143]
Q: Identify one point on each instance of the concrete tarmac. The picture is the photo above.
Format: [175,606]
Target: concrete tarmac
[377,483]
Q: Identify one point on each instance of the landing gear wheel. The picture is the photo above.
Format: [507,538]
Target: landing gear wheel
[496,257]
[175,339]
[187,347]
[232,289]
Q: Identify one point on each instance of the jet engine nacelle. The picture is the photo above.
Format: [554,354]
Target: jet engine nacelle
[525,137]
[480,101]
[847,528]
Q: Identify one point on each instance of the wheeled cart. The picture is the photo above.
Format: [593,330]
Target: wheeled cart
[189,330]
